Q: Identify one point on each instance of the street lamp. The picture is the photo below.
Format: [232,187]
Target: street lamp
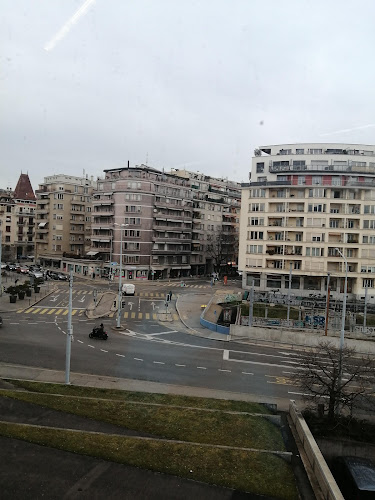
[120,279]
[344,301]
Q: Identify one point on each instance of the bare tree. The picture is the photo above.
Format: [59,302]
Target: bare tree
[337,378]
[222,247]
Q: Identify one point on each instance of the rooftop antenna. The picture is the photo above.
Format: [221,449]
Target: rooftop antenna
[146,159]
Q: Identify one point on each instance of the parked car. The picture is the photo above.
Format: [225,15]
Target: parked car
[23,270]
[62,277]
[36,274]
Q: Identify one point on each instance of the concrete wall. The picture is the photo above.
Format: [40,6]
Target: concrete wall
[297,337]
[319,466]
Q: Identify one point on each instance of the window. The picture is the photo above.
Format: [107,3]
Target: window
[132,208]
[368,283]
[300,151]
[100,186]
[260,168]
[314,252]
[7,239]
[257,193]
[315,151]
[369,209]
[131,245]
[133,221]
[301,180]
[7,229]
[298,236]
[59,196]
[281,193]
[278,264]
[134,185]
[299,165]
[317,193]
[255,235]
[132,233]
[316,207]
[254,248]
[255,221]
[256,207]
[273,281]
[135,197]
[262,179]
[368,239]
[297,265]
[317,179]
[369,224]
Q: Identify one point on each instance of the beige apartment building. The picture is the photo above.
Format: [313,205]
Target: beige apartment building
[17,220]
[63,217]
[309,210]
[216,217]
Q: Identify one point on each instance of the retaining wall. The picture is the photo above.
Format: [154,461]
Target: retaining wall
[316,460]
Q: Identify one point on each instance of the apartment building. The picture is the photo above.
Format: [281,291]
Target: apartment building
[17,212]
[309,209]
[153,210]
[215,231]
[63,217]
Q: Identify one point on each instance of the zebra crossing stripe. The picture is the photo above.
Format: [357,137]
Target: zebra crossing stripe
[59,311]
[51,311]
[28,310]
[147,315]
[65,312]
[74,312]
[36,310]
[126,314]
[110,315]
[132,316]
[44,311]
[175,317]
[154,316]
[140,315]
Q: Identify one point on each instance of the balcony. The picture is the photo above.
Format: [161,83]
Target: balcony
[99,213]
[101,237]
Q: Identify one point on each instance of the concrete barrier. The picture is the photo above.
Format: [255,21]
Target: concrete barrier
[297,337]
[316,460]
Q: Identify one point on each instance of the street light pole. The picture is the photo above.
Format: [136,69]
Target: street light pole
[119,299]
[342,320]
[1,283]
[69,335]
[289,290]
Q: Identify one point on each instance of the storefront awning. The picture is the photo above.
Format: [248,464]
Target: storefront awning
[181,267]
[92,253]
[42,224]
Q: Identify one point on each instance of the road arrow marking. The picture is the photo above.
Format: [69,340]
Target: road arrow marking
[131,305]
[82,299]
[54,298]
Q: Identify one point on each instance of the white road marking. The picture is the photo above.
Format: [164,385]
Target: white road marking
[226,355]
[120,355]
[201,367]
[304,394]
[91,346]
[103,350]
[161,333]
[176,364]
[14,323]
[80,341]
[220,370]
[247,373]
[138,359]
[158,362]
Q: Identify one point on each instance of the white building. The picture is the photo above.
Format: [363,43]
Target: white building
[303,202]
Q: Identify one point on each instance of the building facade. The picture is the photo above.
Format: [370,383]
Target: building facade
[63,217]
[309,210]
[153,210]
[17,220]
[215,231]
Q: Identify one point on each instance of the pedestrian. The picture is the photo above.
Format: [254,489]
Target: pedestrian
[93,276]
[16,281]
[170,294]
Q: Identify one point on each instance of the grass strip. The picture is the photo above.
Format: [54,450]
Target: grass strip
[258,473]
[173,423]
[146,397]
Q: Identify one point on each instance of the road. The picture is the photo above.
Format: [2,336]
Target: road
[148,349]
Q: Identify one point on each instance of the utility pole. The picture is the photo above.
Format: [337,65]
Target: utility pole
[365,310]
[1,278]
[251,303]
[69,335]
[327,303]
[289,290]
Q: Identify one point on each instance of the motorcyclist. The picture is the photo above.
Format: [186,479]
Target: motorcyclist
[101,328]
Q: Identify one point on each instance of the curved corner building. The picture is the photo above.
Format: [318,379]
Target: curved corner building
[305,205]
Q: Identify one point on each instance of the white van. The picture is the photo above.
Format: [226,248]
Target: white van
[128,289]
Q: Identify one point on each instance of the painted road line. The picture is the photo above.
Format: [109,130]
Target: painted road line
[221,370]
[126,314]
[247,373]
[154,316]
[65,312]
[36,310]
[175,317]
[140,315]
[161,333]
[93,347]
[138,359]
[132,315]
[14,323]
[51,311]
[120,355]
[74,312]
[147,315]
[44,311]
[59,311]
[103,350]
[158,362]
[201,368]
[176,364]
[20,311]
[110,315]
[80,341]
[29,310]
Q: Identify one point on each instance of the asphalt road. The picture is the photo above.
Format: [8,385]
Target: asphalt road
[147,350]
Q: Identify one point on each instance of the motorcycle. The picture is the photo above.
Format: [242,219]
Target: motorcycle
[97,333]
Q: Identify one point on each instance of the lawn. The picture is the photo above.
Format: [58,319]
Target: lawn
[258,473]
[185,424]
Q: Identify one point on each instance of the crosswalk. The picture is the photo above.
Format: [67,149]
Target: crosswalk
[63,311]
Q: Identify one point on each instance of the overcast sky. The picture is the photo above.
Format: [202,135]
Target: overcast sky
[196,84]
